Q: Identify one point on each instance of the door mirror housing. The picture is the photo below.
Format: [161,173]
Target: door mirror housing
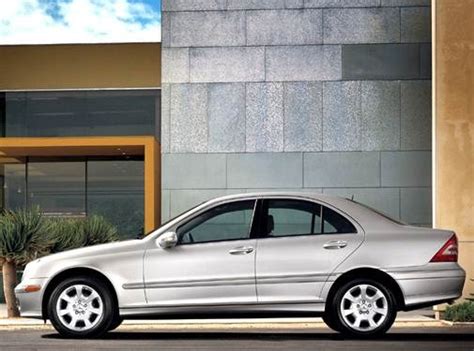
[168,240]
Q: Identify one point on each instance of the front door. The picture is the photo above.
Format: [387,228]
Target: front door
[213,263]
[300,245]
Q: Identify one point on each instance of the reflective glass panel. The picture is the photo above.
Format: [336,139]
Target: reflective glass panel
[115,190]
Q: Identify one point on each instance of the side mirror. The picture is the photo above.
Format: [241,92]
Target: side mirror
[168,240]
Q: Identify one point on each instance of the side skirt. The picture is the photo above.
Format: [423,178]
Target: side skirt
[224,311]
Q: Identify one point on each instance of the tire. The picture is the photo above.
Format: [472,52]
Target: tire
[331,322]
[81,307]
[363,315]
[115,323]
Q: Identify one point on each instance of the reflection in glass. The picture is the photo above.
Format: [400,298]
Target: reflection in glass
[115,190]
[58,188]
[81,113]
[14,185]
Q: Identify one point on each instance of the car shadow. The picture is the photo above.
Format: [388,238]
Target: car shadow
[271,336]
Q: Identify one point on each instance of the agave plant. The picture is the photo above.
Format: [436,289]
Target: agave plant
[97,230]
[65,234]
[22,238]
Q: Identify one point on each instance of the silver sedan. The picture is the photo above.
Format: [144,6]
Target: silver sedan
[266,254]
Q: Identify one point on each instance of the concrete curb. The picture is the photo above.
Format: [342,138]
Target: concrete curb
[228,325]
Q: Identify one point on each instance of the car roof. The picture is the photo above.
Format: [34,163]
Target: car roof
[367,218]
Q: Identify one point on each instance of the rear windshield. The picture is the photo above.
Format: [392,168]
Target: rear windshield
[378,212]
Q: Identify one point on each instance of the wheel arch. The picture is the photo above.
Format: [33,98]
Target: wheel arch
[372,273]
[74,272]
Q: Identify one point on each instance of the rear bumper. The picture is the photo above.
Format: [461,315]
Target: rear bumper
[433,284]
[30,302]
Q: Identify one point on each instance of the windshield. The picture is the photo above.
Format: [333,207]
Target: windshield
[378,212]
[141,236]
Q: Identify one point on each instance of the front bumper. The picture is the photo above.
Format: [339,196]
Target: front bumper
[434,283]
[31,302]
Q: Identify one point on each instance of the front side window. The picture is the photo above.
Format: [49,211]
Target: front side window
[230,221]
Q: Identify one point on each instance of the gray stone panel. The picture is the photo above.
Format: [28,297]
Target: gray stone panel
[341,116]
[193,5]
[405,2]
[183,200]
[188,118]
[303,63]
[165,29]
[242,64]
[211,28]
[264,170]
[425,61]
[381,61]
[416,24]
[342,169]
[165,118]
[284,27]
[341,3]
[380,118]
[193,171]
[303,116]
[264,125]
[386,200]
[226,113]
[406,168]
[416,115]
[416,205]
[294,4]
[362,25]
[255,4]
[165,205]
[175,65]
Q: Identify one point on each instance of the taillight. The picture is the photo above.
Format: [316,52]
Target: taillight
[449,251]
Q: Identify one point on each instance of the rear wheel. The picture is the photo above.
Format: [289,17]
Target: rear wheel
[81,307]
[363,308]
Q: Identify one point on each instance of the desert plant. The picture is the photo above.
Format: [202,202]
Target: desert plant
[461,312]
[97,230]
[65,234]
[22,238]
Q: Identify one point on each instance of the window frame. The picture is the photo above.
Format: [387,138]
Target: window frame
[252,226]
[263,213]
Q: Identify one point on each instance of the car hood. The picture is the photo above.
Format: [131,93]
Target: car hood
[95,250]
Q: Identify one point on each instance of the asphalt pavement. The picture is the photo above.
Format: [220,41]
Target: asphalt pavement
[419,339]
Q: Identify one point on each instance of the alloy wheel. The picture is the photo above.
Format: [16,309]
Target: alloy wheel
[364,307]
[79,307]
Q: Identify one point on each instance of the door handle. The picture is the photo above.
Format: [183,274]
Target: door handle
[335,244]
[241,250]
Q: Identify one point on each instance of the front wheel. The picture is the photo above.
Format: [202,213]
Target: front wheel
[364,308]
[81,307]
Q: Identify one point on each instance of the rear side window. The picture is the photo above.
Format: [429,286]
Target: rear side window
[334,223]
[288,217]
[292,218]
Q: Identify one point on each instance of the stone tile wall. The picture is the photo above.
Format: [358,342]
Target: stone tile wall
[329,96]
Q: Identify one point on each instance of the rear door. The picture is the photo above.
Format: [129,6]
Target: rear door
[300,244]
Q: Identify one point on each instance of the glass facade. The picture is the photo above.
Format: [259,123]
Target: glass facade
[80,113]
[77,187]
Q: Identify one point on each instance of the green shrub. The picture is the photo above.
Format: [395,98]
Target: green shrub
[22,235]
[462,312]
[97,230]
[67,234]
